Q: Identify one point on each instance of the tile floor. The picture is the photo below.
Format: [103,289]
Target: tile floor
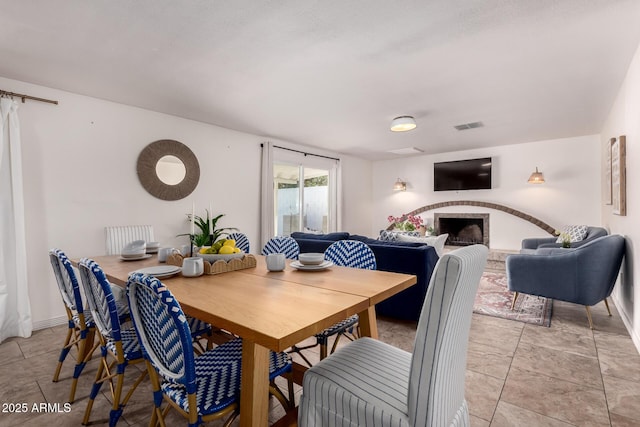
[517,375]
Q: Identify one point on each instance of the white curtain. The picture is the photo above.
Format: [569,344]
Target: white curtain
[267,226]
[15,311]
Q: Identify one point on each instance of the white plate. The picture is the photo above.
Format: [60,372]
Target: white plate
[152,250]
[159,271]
[215,257]
[299,266]
[138,255]
[136,258]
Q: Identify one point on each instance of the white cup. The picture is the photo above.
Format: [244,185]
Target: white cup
[163,253]
[275,262]
[192,267]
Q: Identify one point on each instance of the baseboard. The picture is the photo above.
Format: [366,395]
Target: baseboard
[49,323]
[627,322]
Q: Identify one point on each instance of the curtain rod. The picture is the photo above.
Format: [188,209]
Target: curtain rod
[303,152]
[24,97]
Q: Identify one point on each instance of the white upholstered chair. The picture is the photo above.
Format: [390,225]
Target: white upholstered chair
[368,382]
[116,237]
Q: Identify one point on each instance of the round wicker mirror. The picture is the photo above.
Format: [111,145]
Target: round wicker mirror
[152,160]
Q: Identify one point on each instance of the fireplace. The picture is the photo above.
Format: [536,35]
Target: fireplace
[463,229]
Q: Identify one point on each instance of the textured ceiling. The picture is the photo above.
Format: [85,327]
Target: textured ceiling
[333,74]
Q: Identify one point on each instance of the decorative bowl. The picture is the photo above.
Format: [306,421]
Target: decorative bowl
[311,258]
[215,257]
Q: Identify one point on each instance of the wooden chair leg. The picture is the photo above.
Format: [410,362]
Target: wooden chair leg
[513,303]
[608,309]
[589,316]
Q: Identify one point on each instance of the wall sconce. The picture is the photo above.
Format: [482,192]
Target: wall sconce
[403,124]
[400,185]
[536,177]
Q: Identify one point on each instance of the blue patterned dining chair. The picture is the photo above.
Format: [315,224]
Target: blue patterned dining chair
[368,382]
[201,387]
[119,346]
[345,253]
[242,241]
[282,245]
[81,329]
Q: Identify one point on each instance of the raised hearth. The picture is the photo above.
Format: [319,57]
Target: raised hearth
[463,228]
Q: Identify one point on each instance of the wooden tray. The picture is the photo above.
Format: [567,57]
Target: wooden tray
[220,266]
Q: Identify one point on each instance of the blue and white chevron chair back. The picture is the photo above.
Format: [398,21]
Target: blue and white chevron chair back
[100,298]
[66,280]
[282,245]
[242,241]
[163,330]
[351,253]
[438,364]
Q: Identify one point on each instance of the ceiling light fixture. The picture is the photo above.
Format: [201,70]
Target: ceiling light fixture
[403,124]
[536,177]
[400,185]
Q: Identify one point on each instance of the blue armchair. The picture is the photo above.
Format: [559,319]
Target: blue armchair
[583,275]
[528,245]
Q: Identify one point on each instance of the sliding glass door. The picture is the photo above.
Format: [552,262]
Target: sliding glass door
[305,196]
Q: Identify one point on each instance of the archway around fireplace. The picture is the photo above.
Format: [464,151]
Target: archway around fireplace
[535,221]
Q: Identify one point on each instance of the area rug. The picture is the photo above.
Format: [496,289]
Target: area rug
[494,299]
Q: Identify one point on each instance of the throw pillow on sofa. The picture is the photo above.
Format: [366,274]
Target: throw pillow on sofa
[392,236]
[436,241]
[576,233]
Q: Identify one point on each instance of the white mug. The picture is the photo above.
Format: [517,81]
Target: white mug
[192,267]
[163,253]
[275,262]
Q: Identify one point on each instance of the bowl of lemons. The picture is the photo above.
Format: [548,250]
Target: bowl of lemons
[223,249]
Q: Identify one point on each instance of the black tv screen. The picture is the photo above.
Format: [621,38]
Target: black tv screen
[473,174]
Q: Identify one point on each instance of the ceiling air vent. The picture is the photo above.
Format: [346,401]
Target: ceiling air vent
[469,126]
[408,150]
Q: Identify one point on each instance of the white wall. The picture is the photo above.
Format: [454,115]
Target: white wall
[80,176]
[570,195]
[624,119]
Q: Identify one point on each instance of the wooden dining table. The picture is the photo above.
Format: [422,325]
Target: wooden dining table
[272,310]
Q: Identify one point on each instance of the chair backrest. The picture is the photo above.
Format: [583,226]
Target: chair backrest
[438,363]
[100,299]
[600,260]
[242,241]
[162,328]
[117,237]
[351,253]
[67,280]
[282,245]
[595,232]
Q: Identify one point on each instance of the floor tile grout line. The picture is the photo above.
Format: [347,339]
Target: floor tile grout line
[504,383]
[604,388]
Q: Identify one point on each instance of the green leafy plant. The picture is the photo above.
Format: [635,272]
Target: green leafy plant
[206,237]
[566,240]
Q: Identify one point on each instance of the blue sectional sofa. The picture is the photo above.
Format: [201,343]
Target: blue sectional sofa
[398,257]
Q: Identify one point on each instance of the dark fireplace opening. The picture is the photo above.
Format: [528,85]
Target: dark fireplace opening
[464,230]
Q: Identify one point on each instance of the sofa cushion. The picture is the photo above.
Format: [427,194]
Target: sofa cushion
[334,237]
[436,241]
[576,233]
[370,241]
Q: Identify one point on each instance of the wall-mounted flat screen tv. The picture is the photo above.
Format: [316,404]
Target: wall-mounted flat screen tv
[472,174]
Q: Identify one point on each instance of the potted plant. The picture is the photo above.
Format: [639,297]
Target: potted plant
[406,222]
[205,236]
